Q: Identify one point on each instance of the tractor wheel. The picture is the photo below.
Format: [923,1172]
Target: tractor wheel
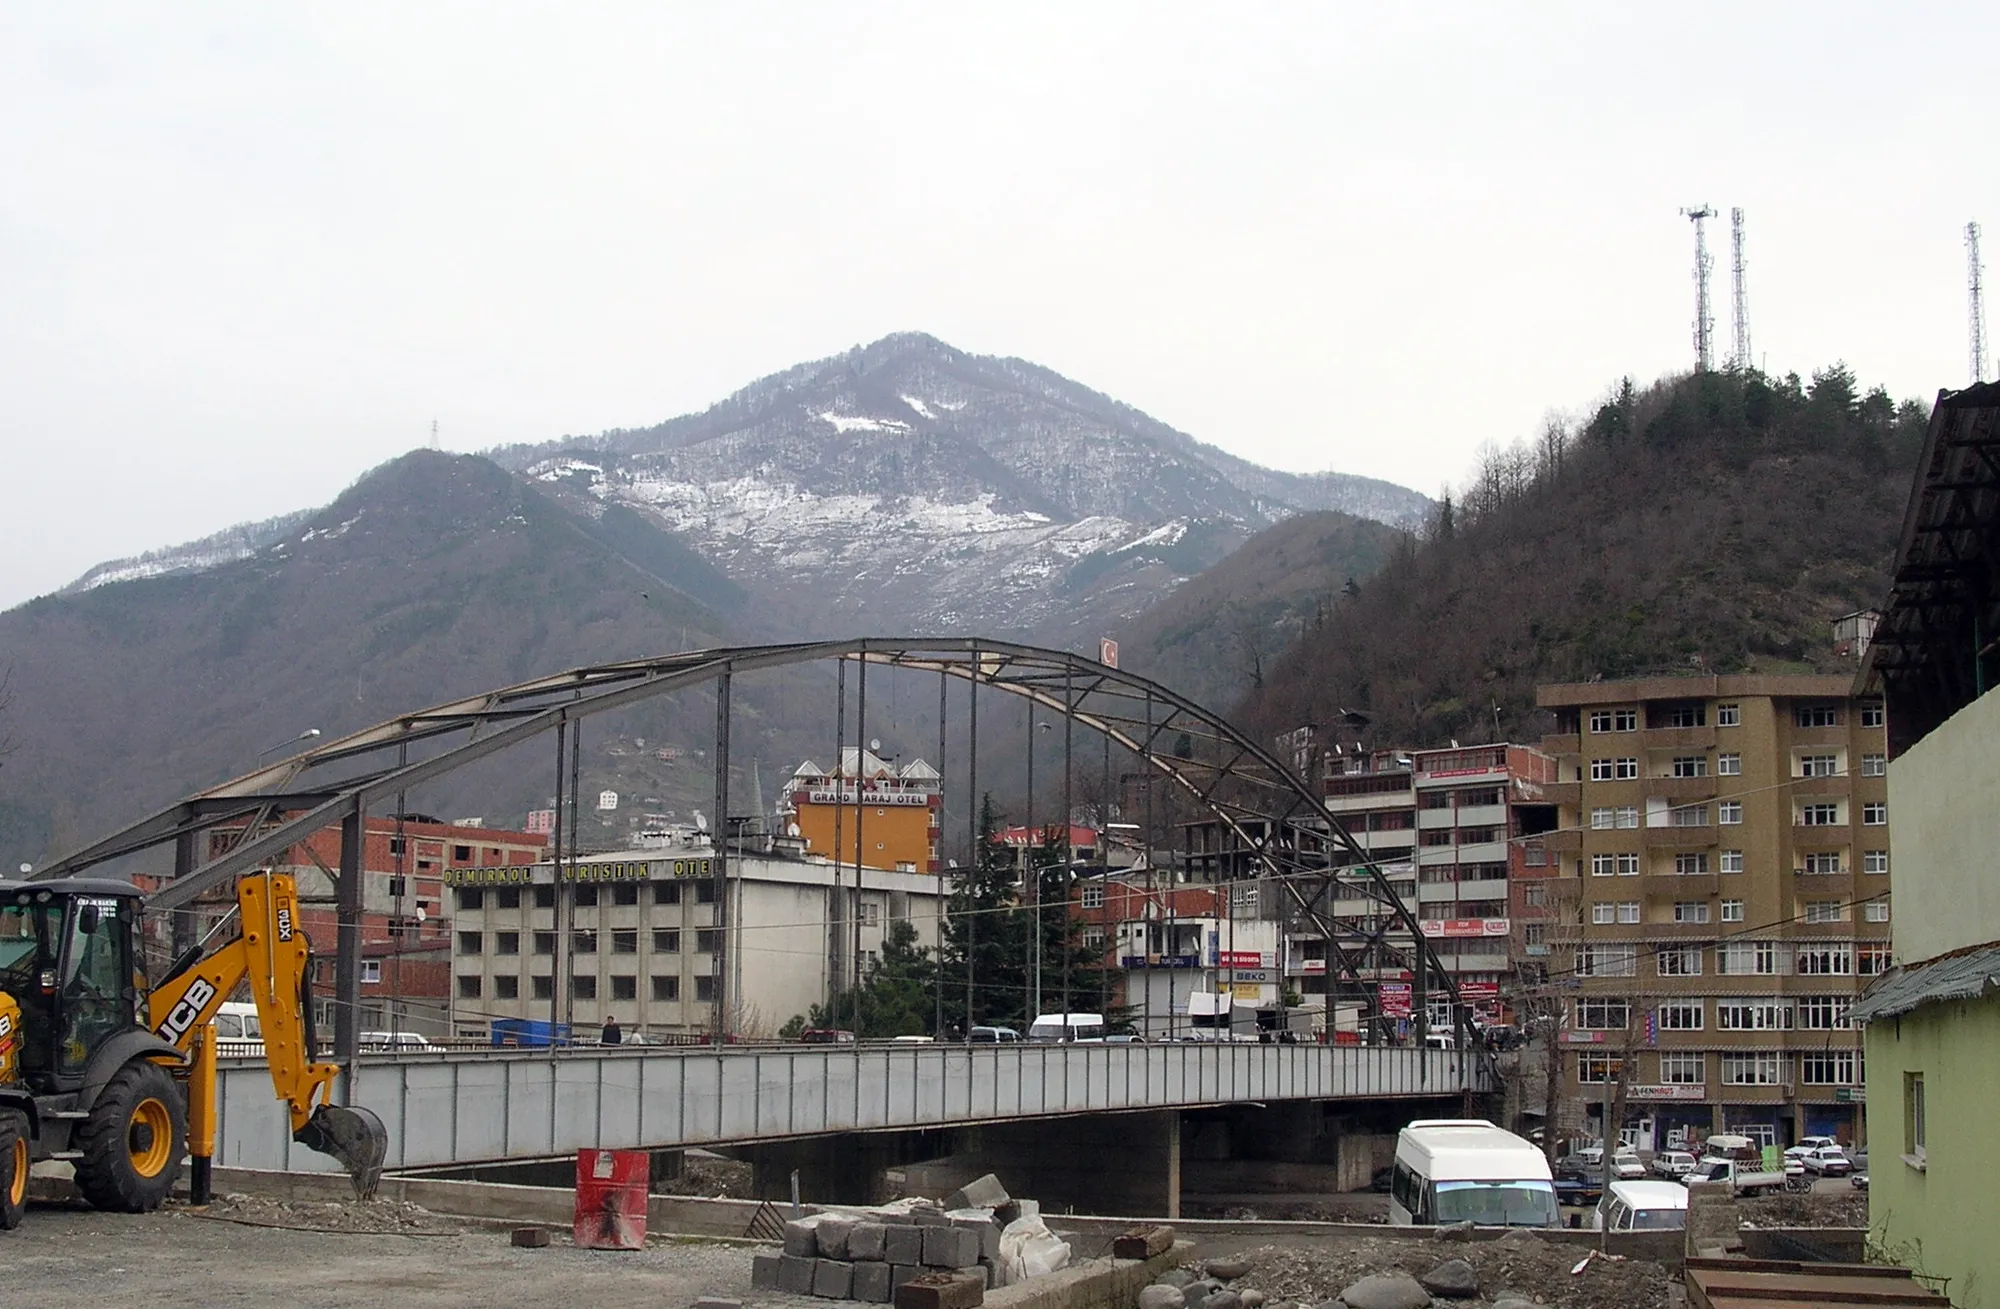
[13,1170]
[133,1141]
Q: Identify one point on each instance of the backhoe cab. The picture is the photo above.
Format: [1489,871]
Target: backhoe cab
[83,1078]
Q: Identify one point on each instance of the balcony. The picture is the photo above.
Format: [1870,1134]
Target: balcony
[1562,792]
[1562,842]
[1805,736]
[1683,886]
[1680,838]
[1681,789]
[1678,738]
[1822,836]
[1562,743]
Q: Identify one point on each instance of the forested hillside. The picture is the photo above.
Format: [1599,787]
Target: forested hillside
[1709,523]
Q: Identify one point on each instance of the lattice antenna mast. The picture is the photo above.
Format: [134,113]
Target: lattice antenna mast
[1739,297]
[1976,302]
[1704,264]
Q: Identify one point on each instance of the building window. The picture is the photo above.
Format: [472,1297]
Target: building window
[1817,715]
[869,913]
[1628,911]
[1818,765]
[1437,836]
[1679,961]
[1729,765]
[666,893]
[545,942]
[470,898]
[542,987]
[584,896]
[507,897]
[471,942]
[625,940]
[666,941]
[1825,911]
[506,943]
[1732,861]
[1093,897]
[1603,911]
[1874,861]
[1874,765]
[1690,765]
[507,987]
[625,893]
[583,941]
[1871,714]
[1752,1016]
[1683,1069]
[1600,720]
[1686,715]
[1823,1013]
[1875,813]
[1533,934]
[1607,961]
[666,988]
[1625,720]
[1603,865]
[1913,1116]
[1729,813]
[706,940]
[1604,818]
[1688,815]
[1826,959]
[1534,895]
[624,988]
[1603,1015]
[1597,1069]
[1829,1068]
[1093,938]
[371,970]
[1823,863]
[545,897]
[1628,816]
[1690,911]
[1628,865]
[1728,715]
[1753,1069]
[1679,1016]
[704,990]
[1625,769]
[461,854]
[704,892]
[1871,960]
[468,986]
[1691,863]
[583,986]
[1875,911]
[1819,815]
[1745,958]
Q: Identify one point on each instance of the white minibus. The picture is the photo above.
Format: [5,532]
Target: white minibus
[1454,1170]
[1067,1027]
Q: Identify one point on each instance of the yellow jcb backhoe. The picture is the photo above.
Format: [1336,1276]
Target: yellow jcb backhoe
[119,1078]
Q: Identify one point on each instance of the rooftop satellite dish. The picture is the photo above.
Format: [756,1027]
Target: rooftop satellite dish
[700,821]
[421,915]
[792,829]
[874,743]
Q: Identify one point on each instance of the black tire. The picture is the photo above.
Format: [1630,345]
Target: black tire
[14,1150]
[133,1141]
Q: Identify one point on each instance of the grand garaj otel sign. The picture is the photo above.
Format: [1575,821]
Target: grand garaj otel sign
[624,870]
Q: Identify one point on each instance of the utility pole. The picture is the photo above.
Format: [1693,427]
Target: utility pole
[1976,303]
[1704,264]
[1739,296]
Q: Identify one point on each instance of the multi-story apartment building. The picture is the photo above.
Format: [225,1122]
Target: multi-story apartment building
[1171,944]
[1720,898]
[879,814]
[634,935]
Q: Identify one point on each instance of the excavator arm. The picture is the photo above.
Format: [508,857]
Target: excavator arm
[271,953]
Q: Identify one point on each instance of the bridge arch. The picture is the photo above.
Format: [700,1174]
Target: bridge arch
[1281,831]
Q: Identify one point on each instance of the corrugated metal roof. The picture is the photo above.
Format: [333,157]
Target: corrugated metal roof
[1962,977]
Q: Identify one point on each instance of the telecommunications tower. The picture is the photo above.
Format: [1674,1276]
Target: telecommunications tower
[1739,299]
[1704,319]
[1976,306]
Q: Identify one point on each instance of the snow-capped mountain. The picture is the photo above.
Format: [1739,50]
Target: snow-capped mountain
[226,546]
[907,485]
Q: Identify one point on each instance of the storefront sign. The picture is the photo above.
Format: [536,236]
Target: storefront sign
[1666,1092]
[846,795]
[1461,927]
[1395,997]
[1850,1094]
[1258,975]
[1238,959]
[623,870]
[1583,1038]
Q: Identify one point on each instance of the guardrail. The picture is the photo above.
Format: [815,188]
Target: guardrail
[446,1107]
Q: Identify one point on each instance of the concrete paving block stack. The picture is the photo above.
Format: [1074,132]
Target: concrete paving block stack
[869,1255]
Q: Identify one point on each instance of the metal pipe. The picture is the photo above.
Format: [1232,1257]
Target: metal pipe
[555,888]
[719,936]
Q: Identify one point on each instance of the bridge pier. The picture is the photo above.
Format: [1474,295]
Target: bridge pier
[1116,1164]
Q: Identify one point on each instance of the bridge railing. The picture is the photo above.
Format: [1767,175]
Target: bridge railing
[473,1107]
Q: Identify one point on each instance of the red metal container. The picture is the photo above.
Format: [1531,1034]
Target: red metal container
[610,1199]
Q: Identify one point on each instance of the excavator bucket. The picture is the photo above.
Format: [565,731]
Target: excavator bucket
[353,1135]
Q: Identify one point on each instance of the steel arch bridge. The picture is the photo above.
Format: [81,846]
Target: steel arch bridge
[1277,829]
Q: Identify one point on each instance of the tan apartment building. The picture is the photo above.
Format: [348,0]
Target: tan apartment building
[1720,898]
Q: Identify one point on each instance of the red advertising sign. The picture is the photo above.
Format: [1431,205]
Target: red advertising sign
[1479,992]
[1395,998]
[1455,927]
[1239,959]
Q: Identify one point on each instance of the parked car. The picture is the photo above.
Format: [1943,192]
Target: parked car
[1625,1165]
[827,1036]
[1828,1161]
[1859,1181]
[1577,1185]
[395,1042]
[1673,1164]
[992,1036]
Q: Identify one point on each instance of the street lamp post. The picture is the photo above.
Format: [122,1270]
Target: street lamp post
[309,734]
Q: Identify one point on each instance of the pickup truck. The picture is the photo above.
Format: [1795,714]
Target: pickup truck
[1742,1178]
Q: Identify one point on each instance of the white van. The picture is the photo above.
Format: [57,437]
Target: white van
[1067,1027]
[1642,1207]
[237,1021]
[1452,1170]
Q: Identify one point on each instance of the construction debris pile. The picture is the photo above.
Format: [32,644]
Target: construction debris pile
[979,1238]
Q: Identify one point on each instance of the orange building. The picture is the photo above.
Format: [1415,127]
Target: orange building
[888,817]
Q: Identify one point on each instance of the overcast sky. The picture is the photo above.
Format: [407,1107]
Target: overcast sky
[250,251]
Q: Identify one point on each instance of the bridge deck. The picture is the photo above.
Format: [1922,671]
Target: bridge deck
[476,1107]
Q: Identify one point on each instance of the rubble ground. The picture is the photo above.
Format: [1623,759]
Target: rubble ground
[1313,1270]
[1844,1208]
